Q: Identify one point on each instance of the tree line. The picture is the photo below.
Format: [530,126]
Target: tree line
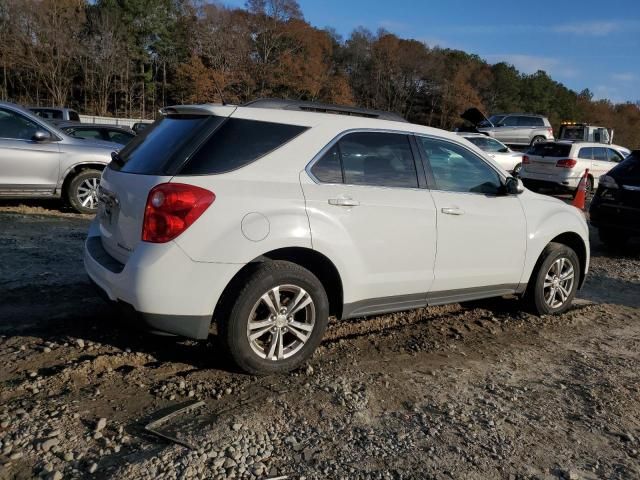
[128,58]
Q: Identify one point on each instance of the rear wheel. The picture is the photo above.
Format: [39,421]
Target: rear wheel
[82,192]
[277,320]
[538,139]
[554,282]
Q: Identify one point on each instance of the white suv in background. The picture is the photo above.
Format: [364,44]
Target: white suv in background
[562,164]
[270,217]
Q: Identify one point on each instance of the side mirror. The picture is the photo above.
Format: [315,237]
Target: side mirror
[41,136]
[513,186]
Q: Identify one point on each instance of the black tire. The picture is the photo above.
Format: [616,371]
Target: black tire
[516,170]
[233,329]
[538,139]
[613,238]
[82,191]
[536,289]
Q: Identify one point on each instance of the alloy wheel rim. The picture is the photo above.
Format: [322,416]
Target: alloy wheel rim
[281,322]
[558,282]
[88,192]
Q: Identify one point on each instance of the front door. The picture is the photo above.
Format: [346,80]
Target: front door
[366,208]
[481,230]
[26,166]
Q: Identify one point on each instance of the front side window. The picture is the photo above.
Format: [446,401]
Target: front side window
[614,156]
[89,134]
[600,154]
[586,153]
[456,169]
[510,121]
[16,126]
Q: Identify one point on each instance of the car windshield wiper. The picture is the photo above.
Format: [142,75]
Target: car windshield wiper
[117,159]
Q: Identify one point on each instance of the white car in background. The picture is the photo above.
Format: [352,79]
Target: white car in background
[562,164]
[505,157]
[269,217]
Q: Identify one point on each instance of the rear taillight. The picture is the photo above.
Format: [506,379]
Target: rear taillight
[525,159]
[566,163]
[171,208]
[550,131]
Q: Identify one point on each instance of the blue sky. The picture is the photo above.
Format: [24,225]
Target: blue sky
[583,44]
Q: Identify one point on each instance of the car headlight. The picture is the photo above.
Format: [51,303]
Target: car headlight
[607,182]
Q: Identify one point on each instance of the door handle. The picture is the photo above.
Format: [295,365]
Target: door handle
[344,202]
[452,211]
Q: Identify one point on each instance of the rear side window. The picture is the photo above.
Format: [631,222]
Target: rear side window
[369,158]
[526,122]
[510,121]
[586,153]
[600,154]
[550,150]
[238,142]
[166,143]
[328,169]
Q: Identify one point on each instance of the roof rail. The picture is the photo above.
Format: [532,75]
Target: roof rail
[282,104]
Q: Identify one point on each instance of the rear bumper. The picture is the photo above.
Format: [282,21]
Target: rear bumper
[567,181]
[160,285]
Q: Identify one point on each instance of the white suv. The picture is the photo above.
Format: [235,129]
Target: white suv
[562,164]
[270,217]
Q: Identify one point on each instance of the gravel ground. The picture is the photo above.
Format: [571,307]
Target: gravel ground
[480,390]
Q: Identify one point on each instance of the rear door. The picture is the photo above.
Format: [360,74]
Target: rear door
[526,125]
[481,232]
[600,163]
[364,200]
[26,166]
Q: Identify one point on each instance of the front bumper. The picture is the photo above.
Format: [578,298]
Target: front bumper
[160,285]
[614,216]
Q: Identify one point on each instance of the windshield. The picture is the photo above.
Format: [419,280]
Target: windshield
[550,150]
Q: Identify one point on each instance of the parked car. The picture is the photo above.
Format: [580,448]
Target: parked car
[511,128]
[615,208]
[269,217]
[56,114]
[505,157]
[37,160]
[562,164]
[95,131]
[140,126]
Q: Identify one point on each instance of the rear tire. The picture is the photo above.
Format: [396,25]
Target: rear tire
[82,191]
[538,139]
[554,281]
[277,320]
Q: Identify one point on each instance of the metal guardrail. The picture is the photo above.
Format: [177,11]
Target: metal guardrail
[127,122]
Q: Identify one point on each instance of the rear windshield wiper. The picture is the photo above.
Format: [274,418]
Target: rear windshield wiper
[117,159]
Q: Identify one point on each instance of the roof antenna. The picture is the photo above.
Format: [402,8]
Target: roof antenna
[215,84]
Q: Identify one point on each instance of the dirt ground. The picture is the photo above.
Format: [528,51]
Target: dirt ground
[477,391]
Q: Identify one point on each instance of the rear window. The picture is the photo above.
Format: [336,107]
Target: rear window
[572,133]
[550,150]
[165,144]
[238,142]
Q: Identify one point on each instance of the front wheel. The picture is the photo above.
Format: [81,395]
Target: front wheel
[278,319]
[555,280]
[82,192]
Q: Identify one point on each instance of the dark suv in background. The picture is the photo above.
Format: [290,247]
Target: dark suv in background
[615,208]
